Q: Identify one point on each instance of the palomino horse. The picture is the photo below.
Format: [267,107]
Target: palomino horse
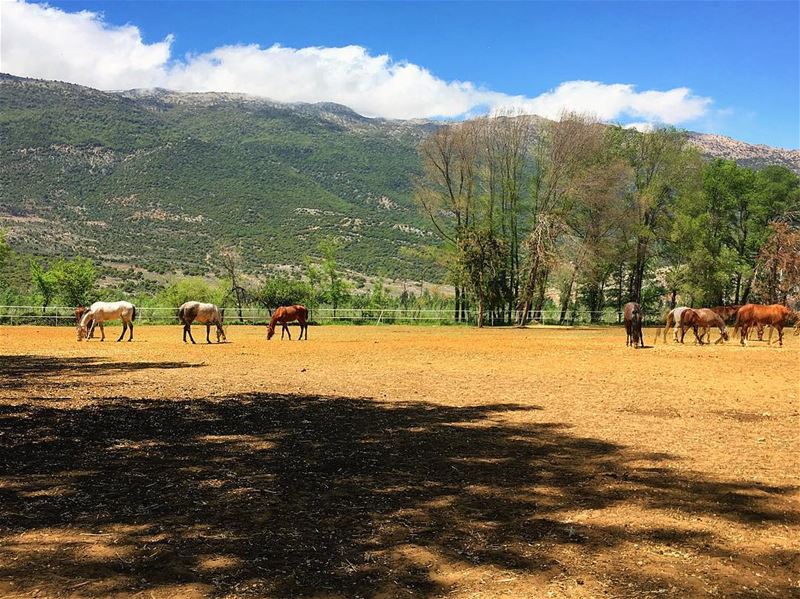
[633,316]
[207,314]
[753,315]
[285,315]
[673,319]
[704,318]
[100,312]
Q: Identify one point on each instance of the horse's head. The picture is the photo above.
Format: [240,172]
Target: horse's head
[270,332]
[724,333]
[221,333]
[83,325]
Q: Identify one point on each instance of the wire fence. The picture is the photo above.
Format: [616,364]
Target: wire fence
[65,316]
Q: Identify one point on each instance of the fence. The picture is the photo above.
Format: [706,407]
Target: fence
[64,316]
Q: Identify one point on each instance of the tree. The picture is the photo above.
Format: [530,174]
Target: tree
[75,280]
[230,259]
[663,168]
[190,289]
[45,283]
[447,192]
[778,264]
[335,288]
[283,291]
[484,258]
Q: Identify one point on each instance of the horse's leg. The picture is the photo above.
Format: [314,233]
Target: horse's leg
[208,333]
[780,334]
[130,327]
[288,332]
[769,338]
[743,335]
[184,332]
[189,330]
[124,328]
[102,332]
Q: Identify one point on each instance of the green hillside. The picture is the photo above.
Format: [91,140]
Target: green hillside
[157,179]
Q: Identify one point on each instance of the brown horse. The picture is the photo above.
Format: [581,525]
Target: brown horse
[727,313]
[285,315]
[703,318]
[753,315]
[633,316]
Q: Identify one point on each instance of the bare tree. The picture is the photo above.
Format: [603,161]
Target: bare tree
[230,260]
[447,191]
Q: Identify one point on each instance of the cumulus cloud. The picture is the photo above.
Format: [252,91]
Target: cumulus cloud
[45,42]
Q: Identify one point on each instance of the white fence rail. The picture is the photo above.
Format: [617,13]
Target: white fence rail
[64,316]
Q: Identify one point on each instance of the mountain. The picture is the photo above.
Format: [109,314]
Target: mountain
[156,180]
[749,155]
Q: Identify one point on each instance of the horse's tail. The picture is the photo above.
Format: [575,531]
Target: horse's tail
[221,315]
[180,313]
[133,316]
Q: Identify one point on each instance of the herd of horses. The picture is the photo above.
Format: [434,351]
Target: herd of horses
[702,320]
[87,319]
[681,319]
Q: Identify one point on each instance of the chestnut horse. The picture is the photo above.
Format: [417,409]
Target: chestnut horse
[753,315]
[633,316]
[285,315]
[704,318]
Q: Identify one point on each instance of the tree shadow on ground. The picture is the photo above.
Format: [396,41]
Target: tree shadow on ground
[19,371]
[296,495]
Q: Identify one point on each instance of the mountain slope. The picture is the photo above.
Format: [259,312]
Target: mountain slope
[157,179]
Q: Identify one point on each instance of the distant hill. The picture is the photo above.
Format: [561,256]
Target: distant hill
[155,179]
[749,155]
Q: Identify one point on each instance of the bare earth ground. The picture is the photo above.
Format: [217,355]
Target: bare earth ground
[397,462]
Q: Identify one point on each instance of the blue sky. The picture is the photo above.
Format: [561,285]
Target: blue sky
[739,60]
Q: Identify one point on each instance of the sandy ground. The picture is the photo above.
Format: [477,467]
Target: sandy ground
[397,462]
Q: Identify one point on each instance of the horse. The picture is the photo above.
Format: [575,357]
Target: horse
[727,313]
[704,318]
[775,316]
[633,316]
[79,312]
[100,312]
[673,319]
[207,314]
[287,314]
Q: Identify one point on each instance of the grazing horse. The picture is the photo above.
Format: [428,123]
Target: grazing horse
[633,316]
[704,318]
[79,312]
[753,315]
[673,319]
[287,314]
[207,314]
[100,312]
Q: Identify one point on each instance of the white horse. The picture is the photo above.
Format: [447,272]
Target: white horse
[100,312]
[207,314]
[673,320]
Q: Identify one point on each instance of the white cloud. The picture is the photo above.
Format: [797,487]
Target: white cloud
[44,42]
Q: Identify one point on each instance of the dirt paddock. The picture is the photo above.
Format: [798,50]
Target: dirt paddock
[397,462]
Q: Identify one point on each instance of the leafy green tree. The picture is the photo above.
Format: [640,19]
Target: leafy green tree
[335,288]
[283,291]
[75,280]
[45,282]
[190,289]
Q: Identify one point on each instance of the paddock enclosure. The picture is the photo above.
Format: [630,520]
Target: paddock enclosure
[397,462]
